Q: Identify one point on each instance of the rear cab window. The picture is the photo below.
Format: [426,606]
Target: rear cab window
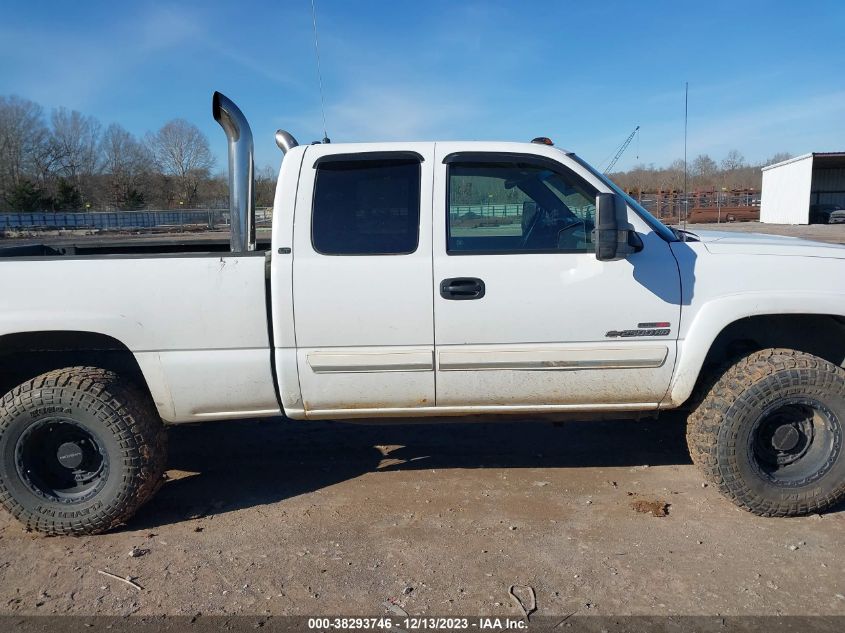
[366,206]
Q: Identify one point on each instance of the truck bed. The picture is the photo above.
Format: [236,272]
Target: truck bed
[194,319]
[124,245]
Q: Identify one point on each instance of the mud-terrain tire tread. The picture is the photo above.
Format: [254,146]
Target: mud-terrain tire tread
[128,413]
[705,421]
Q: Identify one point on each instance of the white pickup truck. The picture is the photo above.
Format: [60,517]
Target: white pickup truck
[419,279]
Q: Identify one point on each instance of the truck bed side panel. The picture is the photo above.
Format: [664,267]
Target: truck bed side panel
[196,323]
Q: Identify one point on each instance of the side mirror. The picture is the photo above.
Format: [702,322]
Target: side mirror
[607,225]
[614,236]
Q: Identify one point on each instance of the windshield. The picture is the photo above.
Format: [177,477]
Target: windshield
[661,229]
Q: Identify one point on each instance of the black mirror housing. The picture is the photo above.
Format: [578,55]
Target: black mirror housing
[607,226]
[614,237]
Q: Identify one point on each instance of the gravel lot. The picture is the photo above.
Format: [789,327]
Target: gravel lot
[821,232]
[317,518]
[310,518]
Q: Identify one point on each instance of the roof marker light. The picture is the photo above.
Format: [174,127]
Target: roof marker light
[542,140]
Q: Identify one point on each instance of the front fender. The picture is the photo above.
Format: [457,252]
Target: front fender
[717,314]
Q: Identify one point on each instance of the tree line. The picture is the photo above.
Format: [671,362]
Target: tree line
[68,161]
[731,173]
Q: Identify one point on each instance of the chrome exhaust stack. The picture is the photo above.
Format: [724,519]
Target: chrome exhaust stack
[285,141]
[241,172]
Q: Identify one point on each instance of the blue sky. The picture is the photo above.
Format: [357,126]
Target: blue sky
[764,76]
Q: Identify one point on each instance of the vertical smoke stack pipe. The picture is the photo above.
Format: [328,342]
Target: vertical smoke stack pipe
[241,172]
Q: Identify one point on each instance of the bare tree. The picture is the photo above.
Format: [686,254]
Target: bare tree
[733,161]
[23,144]
[675,175]
[181,151]
[732,173]
[778,158]
[75,142]
[214,191]
[265,186]
[126,163]
[649,178]
[703,169]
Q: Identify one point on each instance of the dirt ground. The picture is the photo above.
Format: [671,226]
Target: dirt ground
[318,518]
[324,518]
[821,232]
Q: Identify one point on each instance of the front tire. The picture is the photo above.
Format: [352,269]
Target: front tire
[80,451]
[769,433]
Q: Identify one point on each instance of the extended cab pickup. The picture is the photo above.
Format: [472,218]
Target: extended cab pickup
[419,279]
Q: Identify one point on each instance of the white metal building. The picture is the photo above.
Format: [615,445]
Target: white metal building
[790,187]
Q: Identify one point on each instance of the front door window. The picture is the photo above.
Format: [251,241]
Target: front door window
[500,208]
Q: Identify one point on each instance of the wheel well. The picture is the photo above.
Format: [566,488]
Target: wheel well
[25,355]
[822,335]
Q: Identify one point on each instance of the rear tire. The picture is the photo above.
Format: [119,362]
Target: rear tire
[80,451]
[769,433]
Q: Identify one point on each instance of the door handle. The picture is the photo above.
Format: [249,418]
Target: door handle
[462,288]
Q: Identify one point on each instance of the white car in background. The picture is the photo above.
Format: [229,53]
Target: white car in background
[827,214]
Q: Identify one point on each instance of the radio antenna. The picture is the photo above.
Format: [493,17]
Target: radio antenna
[319,72]
[686,196]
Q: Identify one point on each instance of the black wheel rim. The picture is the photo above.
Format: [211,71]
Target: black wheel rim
[61,460]
[795,442]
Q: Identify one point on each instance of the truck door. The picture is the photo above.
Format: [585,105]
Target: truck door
[362,257]
[525,316]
